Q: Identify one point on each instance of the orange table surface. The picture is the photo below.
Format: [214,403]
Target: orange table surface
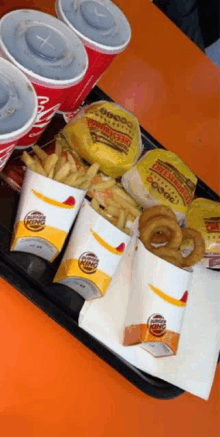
[52,385]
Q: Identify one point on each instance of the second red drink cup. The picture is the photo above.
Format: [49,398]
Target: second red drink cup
[18,108]
[53,58]
[104,31]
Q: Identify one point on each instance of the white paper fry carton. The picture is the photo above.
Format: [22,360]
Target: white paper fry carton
[155,313]
[93,254]
[46,212]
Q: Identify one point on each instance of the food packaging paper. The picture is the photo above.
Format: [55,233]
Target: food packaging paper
[157,303]
[93,254]
[46,212]
[193,368]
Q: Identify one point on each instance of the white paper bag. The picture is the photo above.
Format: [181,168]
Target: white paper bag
[46,212]
[157,303]
[93,254]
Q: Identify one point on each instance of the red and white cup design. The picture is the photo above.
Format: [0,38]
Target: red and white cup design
[18,108]
[49,54]
[100,54]
[49,100]
[98,63]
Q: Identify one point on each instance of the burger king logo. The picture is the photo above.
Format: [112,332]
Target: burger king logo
[157,325]
[88,262]
[35,221]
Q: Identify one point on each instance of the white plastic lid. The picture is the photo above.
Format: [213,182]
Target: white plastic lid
[43,47]
[18,102]
[97,22]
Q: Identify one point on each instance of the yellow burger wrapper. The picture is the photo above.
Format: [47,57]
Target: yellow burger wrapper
[106,133]
[161,178]
[204,215]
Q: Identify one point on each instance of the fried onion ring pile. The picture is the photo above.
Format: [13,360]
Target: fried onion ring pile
[158,226]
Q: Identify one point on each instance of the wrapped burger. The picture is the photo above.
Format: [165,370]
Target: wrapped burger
[161,178]
[106,133]
[204,216]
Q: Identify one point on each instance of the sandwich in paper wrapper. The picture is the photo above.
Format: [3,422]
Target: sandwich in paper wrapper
[106,133]
[93,254]
[161,178]
[204,215]
[157,303]
[46,212]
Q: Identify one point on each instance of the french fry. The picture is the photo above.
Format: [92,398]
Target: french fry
[79,182]
[116,216]
[70,179]
[103,185]
[92,171]
[111,202]
[29,162]
[81,171]
[60,163]
[108,217]
[128,231]
[95,205]
[51,173]
[113,211]
[130,218]
[39,168]
[58,148]
[50,163]
[62,172]
[85,185]
[71,162]
[120,192]
[40,153]
[90,174]
[126,205]
[121,219]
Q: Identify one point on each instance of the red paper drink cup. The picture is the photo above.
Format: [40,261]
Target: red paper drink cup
[52,57]
[18,108]
[104,31]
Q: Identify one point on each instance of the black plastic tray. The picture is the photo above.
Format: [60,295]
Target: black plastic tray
[33,276]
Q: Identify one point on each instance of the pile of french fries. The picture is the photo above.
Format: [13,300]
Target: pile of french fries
[120,210]
[61,167]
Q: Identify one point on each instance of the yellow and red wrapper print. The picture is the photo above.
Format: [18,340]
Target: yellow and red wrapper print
[204,216]
[156,308]
[93,254]
[46,212]
[106,133]
[161,178]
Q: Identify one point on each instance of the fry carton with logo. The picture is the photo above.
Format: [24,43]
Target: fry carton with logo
[155,313]
[46,212]
[93,254]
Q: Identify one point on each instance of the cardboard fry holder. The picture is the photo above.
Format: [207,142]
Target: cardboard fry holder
[46,211]
[93,254]
[155,313]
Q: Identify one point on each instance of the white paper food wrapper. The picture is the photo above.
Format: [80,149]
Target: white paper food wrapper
[160,177]
[193,368]
[93,254]
[156,308]
[46,212]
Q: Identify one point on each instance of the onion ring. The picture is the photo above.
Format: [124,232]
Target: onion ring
[171,255]
[159,237]
[199,246]
[155,211]
[155,225]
